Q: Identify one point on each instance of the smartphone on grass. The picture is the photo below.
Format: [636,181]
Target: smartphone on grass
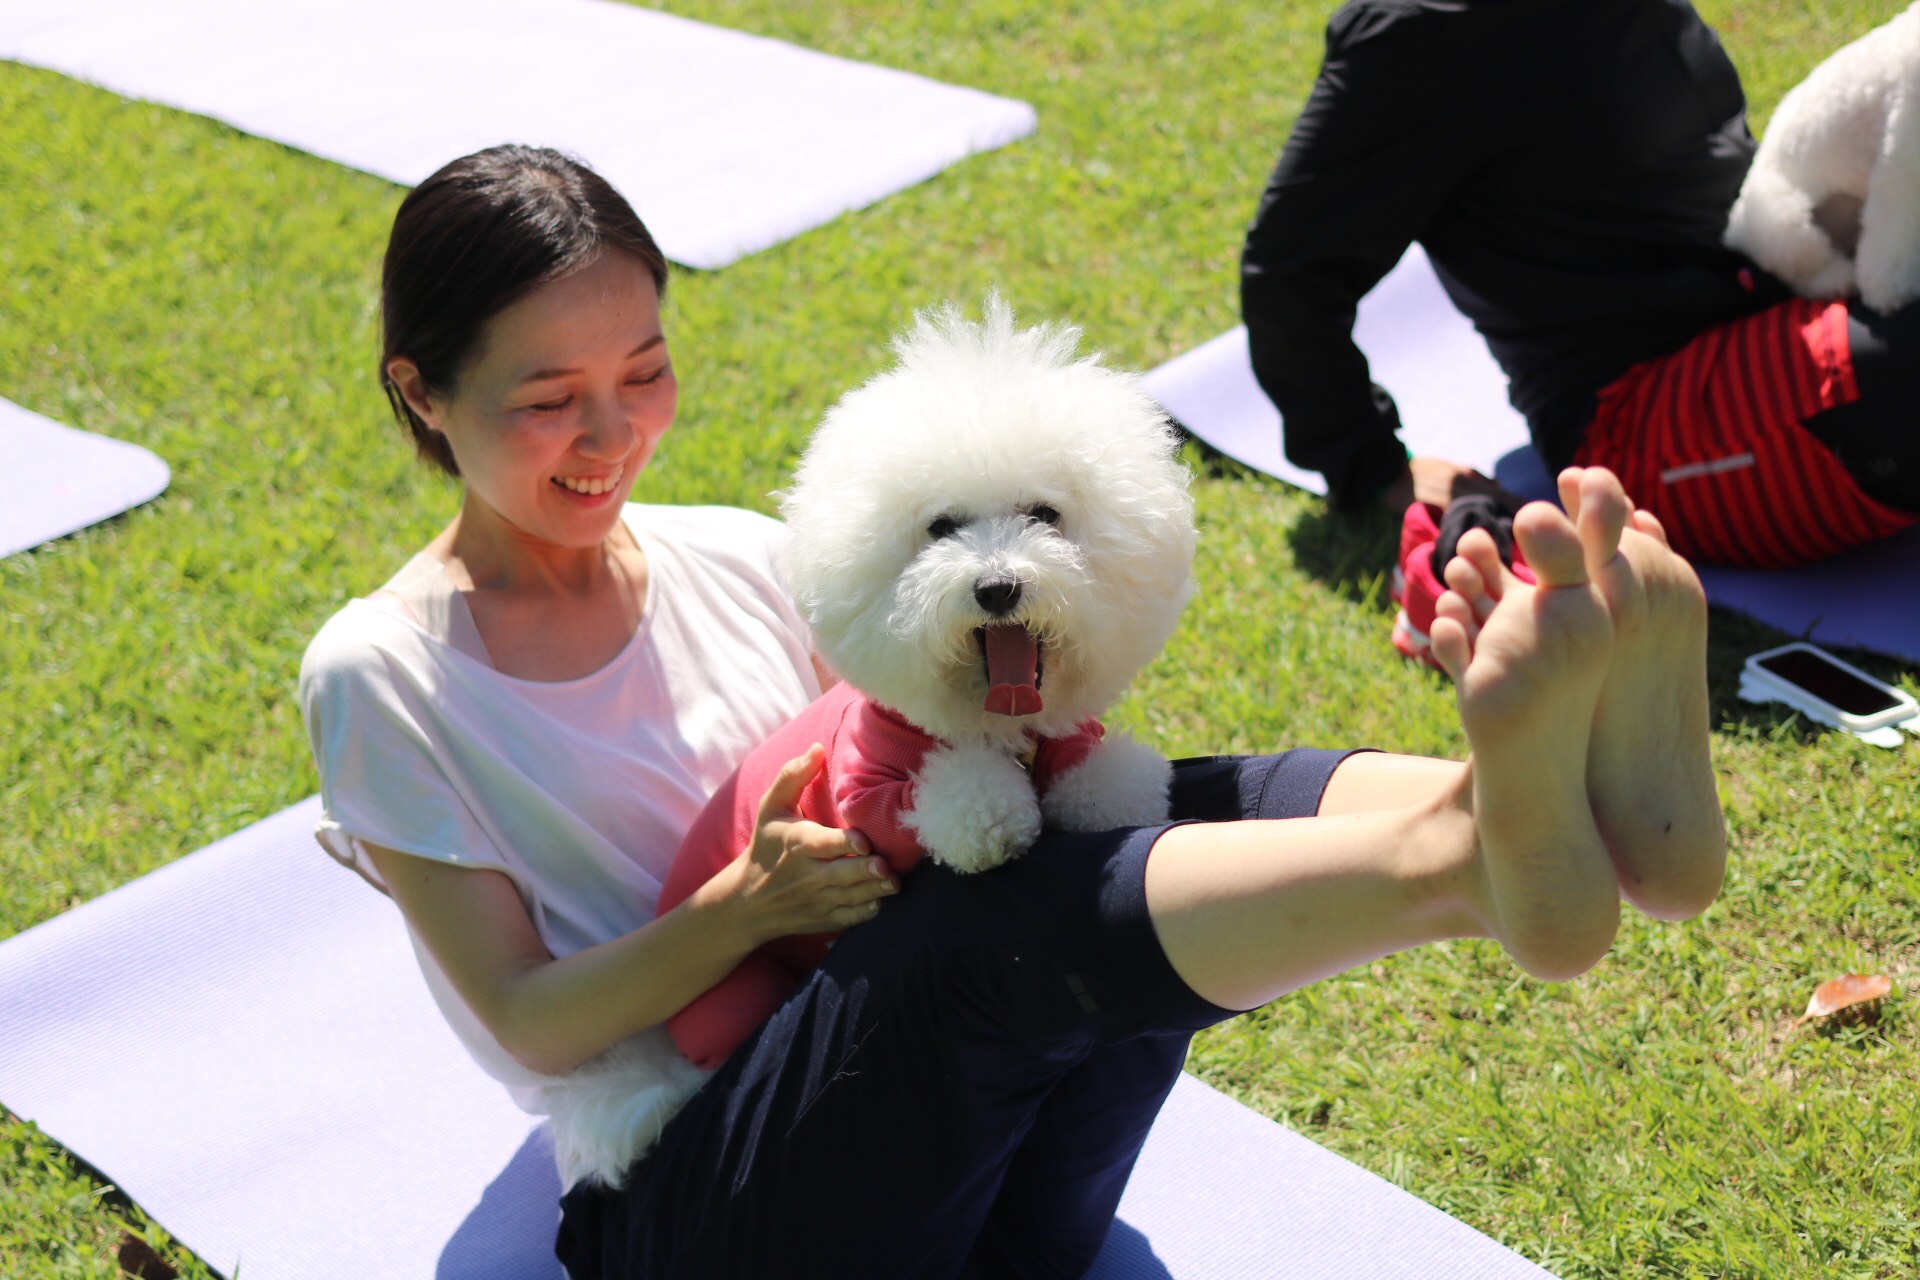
[1808,677]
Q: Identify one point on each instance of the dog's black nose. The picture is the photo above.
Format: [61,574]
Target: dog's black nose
[997,595]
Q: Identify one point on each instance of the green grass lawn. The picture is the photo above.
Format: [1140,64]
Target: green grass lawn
[211,296]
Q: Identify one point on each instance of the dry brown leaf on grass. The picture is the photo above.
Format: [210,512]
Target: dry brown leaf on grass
[139,1259]
[1844,992]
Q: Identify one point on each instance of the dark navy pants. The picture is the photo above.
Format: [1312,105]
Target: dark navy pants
[961,1088]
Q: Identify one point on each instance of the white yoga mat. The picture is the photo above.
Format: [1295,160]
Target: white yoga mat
[1453,404]
[726,143]
[54,479]
[242,1042]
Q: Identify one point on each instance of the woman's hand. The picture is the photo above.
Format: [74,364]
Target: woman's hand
[799,877]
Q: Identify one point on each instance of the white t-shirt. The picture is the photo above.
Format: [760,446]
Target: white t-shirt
[579,790]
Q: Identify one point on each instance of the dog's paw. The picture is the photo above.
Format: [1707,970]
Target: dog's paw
[1124,783]
[1887,296]
[973,807]
[1836,279]
[1889,268]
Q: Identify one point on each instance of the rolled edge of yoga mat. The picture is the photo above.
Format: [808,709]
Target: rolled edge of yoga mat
[56,480]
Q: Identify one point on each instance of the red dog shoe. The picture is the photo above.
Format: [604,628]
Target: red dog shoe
[1428,537]
[1415,585]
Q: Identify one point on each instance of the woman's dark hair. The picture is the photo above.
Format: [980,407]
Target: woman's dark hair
[476,237]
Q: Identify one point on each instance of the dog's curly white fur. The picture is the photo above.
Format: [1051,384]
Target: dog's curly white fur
[602,1115]
[996,454]
[1124,784]
[1831,203]
[973,806]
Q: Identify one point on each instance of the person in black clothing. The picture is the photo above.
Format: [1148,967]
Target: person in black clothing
[1568,166]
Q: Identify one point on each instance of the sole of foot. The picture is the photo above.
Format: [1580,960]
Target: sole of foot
[1650,766]
[1528,664]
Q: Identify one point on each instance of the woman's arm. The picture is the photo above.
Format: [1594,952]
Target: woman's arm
[552,1015]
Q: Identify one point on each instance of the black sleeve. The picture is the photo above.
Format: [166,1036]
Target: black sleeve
[1369,159]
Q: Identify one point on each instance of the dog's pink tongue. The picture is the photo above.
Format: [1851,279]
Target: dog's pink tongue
[1013,666]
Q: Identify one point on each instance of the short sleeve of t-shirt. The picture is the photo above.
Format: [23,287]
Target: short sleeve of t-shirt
[380,778]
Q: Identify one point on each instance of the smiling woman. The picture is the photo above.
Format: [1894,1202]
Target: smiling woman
[478,236]
[552,421]
[495,726]
[563,398]
[523,352]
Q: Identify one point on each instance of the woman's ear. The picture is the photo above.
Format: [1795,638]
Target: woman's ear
[404,374]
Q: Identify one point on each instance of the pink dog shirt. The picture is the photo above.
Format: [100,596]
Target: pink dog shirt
[872,753]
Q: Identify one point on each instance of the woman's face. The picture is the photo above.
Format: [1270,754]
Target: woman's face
[563,405]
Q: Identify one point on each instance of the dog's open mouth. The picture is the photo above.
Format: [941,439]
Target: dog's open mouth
[1012,655]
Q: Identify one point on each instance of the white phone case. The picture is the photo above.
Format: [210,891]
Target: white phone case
[1757,684]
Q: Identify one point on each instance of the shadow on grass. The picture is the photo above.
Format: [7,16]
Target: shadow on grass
[144,1249]
[1209,462]
[28,560]
[1351,553]
[1877,1025]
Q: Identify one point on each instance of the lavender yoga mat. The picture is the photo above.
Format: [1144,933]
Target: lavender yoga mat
[54,479]
[725,142]
[1453,404]
[241,1040]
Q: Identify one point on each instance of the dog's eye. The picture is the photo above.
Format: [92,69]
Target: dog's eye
[1044,514]
[944,527]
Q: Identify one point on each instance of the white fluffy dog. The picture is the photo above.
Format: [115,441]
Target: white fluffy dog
[992,539]
[1832,202]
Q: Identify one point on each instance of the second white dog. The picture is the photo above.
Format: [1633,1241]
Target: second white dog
[1832,202]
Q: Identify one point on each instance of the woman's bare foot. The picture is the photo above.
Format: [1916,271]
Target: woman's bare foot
[1528,668]
[1650,767]
[1649,772]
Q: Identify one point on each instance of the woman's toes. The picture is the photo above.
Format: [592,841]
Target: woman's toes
[1452,648]
[1457,608]
[1568,484]
[1467,583]
[1550,544]
[1604,511]
[1478,549]
[1649,524]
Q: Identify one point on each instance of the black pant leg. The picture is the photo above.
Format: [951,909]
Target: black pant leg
[864,1131]
[868,1128]
[1233,788]
[1057,1201]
